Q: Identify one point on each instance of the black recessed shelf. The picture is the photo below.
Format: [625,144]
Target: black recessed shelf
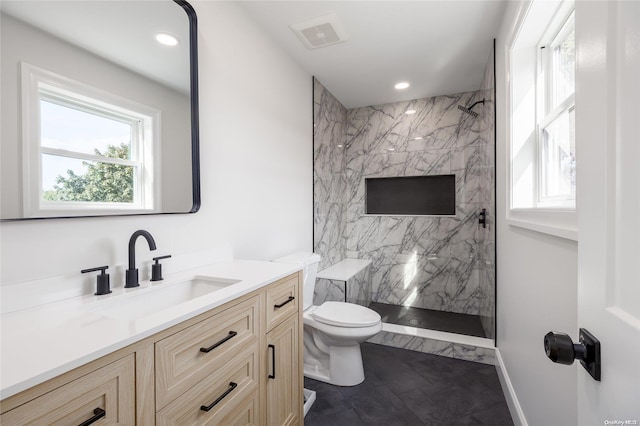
[433,195]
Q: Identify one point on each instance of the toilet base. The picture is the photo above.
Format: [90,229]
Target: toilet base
[345,367]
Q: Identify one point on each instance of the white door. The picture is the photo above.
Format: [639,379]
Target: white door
[608,157]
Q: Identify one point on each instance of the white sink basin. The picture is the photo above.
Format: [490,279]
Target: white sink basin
[151,300]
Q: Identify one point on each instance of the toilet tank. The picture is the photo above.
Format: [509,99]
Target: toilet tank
[310,263]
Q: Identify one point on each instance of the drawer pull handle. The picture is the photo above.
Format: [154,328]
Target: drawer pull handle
[98,414]
[290,299]
[232,386]
[273,362]
[215,345]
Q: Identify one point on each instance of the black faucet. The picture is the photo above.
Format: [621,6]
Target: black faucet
[132,272]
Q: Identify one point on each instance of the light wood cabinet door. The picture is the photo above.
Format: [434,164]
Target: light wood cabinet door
[283,374]
[185,358]
[106,394]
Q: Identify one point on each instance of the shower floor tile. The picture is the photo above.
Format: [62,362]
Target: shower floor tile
[451,322]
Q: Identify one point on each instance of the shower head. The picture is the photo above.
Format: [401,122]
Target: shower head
[470,109]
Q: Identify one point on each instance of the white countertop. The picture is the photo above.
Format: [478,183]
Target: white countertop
[42,342]
[344,270]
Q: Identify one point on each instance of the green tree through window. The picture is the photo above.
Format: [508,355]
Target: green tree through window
[102,182]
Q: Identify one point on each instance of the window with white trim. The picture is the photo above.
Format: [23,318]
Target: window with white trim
[542,149]
[85,149]
[556,118]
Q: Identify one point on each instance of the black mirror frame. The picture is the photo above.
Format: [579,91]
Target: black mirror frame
[195,128]
[195,118]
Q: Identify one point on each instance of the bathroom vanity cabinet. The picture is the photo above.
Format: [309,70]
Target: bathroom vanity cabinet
[284,354]
[106,394]
[239,363]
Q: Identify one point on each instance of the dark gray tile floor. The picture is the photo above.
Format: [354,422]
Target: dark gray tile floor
[404,387]
[430,319]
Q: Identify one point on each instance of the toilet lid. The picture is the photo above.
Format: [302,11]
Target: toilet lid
[343,314]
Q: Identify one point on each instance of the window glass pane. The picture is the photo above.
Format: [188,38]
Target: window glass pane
[564,64]
[72,179]
[68,128]
[558,161]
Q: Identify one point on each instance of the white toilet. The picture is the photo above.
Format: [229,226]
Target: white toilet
[333,331]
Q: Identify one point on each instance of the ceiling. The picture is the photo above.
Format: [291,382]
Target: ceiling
[439,47]
[121,32]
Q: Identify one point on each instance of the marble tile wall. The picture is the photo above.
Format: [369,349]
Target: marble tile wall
[426,261]
[423,261]
[359,288]
[328,290]
[329,123]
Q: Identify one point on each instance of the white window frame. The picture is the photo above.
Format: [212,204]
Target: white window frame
[535,19]
[40,84]
[546,112]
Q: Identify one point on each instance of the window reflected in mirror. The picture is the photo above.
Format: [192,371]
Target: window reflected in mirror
[98,121]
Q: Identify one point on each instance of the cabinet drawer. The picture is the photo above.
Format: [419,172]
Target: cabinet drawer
[282,300]
[235,389]
[110,388]
[180,362]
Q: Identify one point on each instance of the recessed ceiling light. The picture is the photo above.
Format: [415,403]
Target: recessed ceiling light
[410,111]
[418,138]
[391,149]
[166,39]
[340,146]
[401,85]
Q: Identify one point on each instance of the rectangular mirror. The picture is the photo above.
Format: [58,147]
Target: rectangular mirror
[99,108]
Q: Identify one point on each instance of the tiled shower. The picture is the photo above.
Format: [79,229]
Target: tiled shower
[435,263]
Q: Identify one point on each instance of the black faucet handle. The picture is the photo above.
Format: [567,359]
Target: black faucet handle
[99,268]
[102,284]
[156,268]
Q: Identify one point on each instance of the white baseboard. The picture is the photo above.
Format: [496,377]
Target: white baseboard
[510,395]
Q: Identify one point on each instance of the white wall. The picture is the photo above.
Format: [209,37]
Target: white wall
[536,289]
[256,154]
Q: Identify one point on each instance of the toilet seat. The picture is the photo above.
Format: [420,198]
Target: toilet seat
[332,331]
[341,314]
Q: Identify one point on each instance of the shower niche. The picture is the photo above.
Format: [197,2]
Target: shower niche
[406,192]
[433,195]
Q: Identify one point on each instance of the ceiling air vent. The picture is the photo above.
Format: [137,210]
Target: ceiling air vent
[319,32]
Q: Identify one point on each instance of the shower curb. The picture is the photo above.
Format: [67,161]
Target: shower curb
[439,343]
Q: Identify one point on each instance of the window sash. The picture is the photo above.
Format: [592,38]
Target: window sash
[551,164]
[553,71]
[136,140]
[547,113]
[39,84]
